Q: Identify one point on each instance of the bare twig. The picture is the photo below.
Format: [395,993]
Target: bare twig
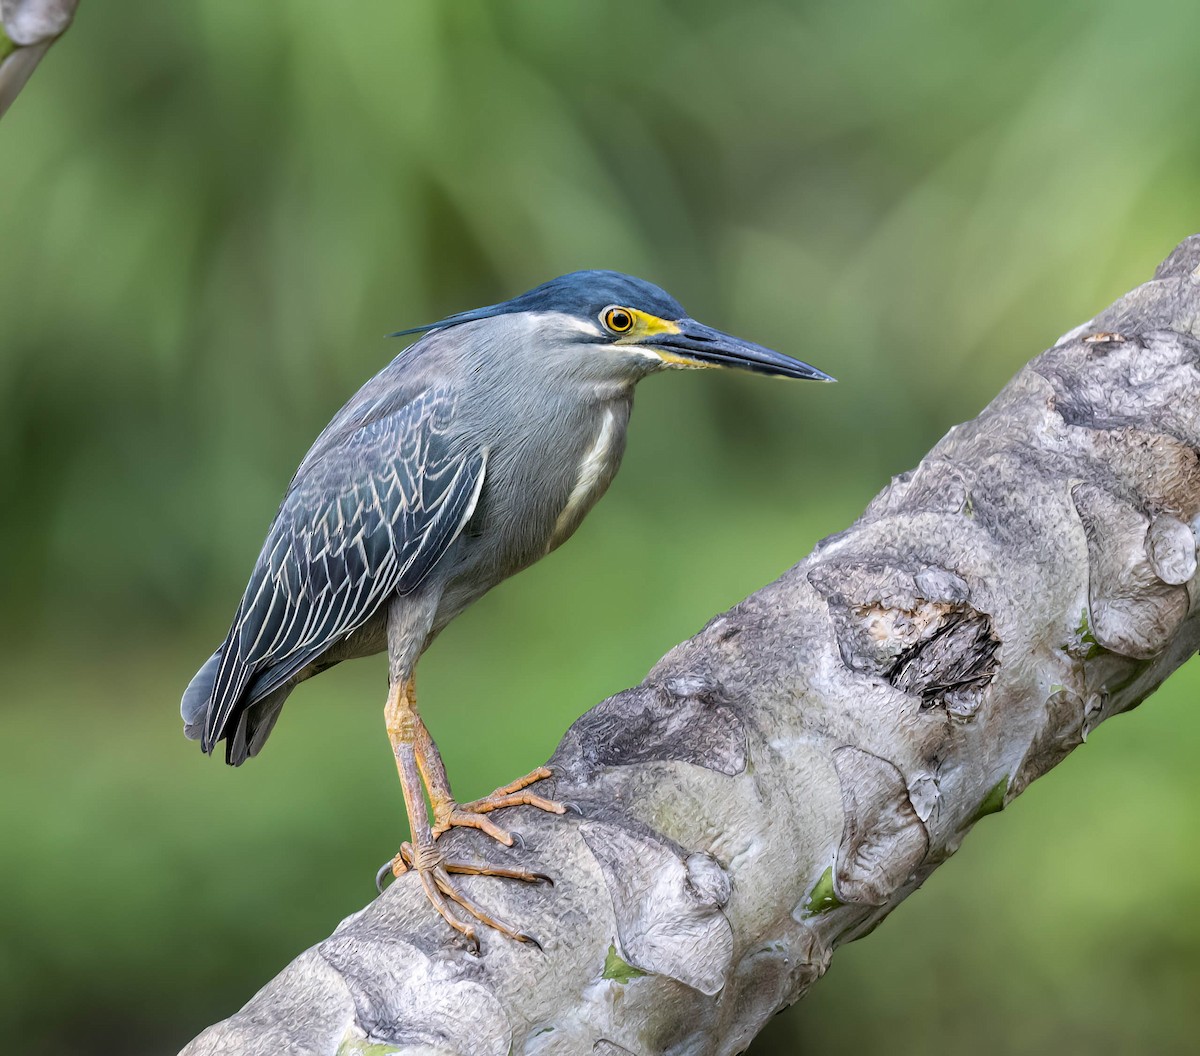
[27,29]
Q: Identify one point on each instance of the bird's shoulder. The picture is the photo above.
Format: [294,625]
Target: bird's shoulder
[412,395]
[369,513]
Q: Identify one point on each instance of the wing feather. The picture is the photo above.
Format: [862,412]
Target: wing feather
[369,516]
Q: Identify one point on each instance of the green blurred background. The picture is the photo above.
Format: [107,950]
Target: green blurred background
[210,212]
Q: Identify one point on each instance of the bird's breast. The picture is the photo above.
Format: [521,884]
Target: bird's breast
[595,473]
[539,485]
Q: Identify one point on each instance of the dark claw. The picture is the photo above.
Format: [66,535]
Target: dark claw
[532,942]
[572,807]
[518,841]
[384,870]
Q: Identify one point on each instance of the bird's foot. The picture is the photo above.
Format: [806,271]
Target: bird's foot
[435,870]
[473,815]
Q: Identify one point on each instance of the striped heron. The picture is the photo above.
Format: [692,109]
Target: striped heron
[475,452]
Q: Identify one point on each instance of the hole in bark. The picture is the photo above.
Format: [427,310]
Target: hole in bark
[955,658]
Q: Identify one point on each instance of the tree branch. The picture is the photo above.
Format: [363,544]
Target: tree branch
[27,29]
[783,780]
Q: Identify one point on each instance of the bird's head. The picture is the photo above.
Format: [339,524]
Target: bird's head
[629,326]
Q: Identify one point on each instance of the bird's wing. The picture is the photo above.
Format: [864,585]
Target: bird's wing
[362,520]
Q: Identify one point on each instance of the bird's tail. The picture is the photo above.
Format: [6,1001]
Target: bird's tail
[198,697]
[254,724]
[251,723]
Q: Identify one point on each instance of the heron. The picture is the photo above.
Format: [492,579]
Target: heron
[478,450]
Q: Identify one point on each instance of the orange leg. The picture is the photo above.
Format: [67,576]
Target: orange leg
[418,760]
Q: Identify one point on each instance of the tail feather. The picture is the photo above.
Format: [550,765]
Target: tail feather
[252,719]
[253,726]
[198,696]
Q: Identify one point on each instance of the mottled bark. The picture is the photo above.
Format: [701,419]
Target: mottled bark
[783,780]
[27,29]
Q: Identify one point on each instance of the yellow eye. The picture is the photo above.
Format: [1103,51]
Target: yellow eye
[618,320]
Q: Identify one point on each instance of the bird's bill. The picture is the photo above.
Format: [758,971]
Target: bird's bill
[697,345]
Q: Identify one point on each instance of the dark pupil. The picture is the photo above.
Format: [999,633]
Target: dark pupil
[620,320]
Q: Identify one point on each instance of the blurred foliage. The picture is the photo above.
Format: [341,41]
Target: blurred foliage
[211,210]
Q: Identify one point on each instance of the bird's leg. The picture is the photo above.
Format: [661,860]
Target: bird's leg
[405,731]
[447,813]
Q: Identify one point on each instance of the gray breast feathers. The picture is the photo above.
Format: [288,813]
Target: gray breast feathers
[595,472]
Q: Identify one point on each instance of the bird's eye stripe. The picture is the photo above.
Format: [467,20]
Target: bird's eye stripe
[618,320]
